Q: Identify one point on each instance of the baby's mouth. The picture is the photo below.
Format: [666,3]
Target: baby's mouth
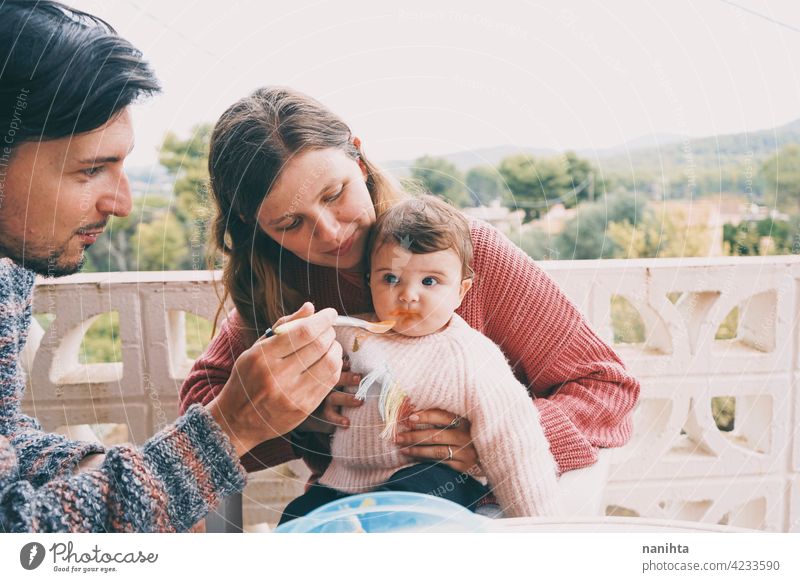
[405,314]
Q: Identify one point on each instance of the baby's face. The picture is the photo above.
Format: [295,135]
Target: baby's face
[419,292]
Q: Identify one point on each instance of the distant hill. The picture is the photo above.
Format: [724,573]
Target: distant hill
[701,166]
[150,180]
[713,151]
[668,164]
[465,160]
[665,164]
[658,140]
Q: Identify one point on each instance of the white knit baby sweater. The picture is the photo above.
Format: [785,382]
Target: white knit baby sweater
[456,369]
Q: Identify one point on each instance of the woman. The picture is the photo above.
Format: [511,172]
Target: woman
[295,198]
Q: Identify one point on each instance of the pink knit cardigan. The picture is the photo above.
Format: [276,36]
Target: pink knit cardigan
[579,384]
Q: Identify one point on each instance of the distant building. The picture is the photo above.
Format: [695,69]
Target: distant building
[503,219]
[554,220]
[717,211]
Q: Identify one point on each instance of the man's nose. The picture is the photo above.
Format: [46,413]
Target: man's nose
[117,200]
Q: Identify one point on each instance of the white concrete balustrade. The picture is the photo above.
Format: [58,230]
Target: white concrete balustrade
[679,465]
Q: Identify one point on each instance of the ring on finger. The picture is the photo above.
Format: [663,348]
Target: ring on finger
[449,453]
[455,423]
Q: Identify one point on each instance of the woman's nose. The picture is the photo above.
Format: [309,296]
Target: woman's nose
[327,228]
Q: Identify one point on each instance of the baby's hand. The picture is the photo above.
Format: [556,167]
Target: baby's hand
[328,417]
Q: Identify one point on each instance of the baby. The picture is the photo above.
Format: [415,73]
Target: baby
[420,252]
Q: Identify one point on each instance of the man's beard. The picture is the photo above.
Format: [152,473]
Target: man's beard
[48,264]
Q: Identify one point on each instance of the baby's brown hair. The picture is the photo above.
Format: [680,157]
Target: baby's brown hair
[424,224]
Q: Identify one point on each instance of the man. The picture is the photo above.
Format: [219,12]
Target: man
[66,81]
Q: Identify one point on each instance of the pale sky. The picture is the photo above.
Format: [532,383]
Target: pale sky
[437,77]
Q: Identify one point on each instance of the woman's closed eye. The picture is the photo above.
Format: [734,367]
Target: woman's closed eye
[335,196]
[291,226]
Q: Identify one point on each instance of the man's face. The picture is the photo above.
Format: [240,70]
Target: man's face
[57,196]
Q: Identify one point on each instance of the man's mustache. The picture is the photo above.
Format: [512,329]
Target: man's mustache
[90,227]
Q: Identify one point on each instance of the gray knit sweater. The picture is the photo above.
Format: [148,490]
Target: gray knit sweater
[169,484]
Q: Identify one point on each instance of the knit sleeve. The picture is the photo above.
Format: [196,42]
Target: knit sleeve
[508,436]
[212,369]
[579,384]
[40,455]
[208,376]
[174,480]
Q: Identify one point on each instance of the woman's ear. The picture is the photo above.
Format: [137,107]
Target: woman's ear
[360,157]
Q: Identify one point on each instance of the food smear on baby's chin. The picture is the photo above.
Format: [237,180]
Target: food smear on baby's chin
[405,316]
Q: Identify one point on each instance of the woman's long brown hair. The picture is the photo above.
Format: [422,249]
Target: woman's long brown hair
[251,142]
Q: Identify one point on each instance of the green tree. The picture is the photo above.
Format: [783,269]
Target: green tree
[741,240]
[113,251]
[160,244]
[659,235]
[187,161]
[537,183]
[781,176]
[763,237]
[537,244]
[441,178]
[585,237]
[582,175]
[485,184]
[534,183]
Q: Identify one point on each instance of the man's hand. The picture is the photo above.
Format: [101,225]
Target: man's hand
[277,383]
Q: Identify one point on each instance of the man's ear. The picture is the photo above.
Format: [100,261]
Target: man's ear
[466,285]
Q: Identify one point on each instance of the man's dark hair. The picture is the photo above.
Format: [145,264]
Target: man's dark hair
[63,72]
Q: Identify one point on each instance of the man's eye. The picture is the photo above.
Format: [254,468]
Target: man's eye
[93,171]
[390,278]
[429,281]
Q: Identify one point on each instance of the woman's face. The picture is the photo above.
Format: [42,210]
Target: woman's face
[320,209]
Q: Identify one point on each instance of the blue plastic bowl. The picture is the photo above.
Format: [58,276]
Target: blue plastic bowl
[385,512]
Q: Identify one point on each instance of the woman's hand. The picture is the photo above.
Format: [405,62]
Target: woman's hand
[449,441]
[328,415]
[280,380]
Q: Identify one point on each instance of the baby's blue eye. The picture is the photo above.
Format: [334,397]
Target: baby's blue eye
[390,278]
[429,281]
